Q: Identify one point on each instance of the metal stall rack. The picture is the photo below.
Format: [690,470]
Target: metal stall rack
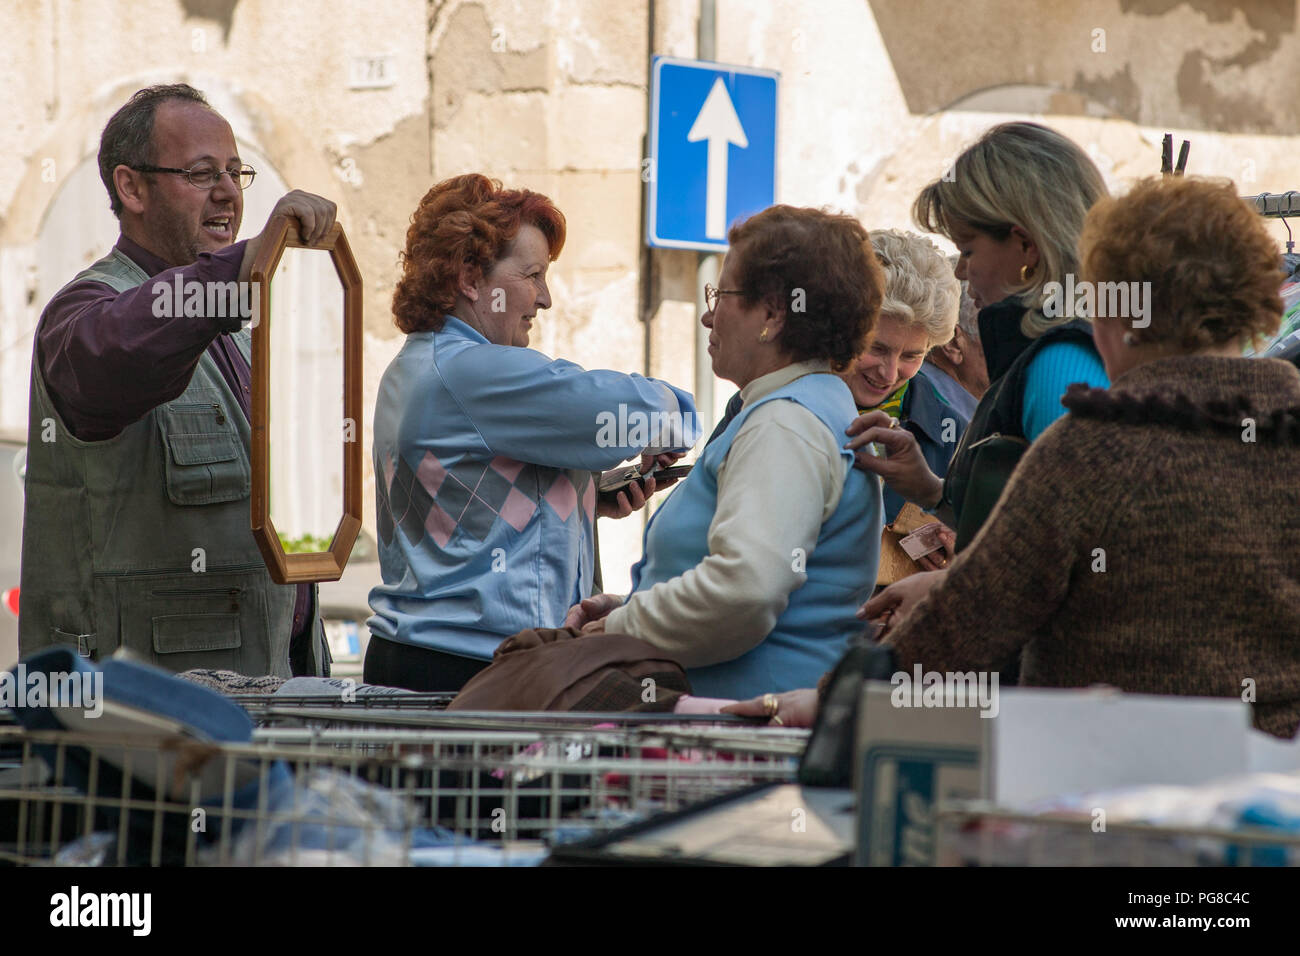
[482,793]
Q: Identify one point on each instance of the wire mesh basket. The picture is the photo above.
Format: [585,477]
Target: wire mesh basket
[387,796]
[978,834]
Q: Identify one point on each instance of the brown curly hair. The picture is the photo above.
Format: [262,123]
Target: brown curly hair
[819,269]
[466,220]
[1214,269]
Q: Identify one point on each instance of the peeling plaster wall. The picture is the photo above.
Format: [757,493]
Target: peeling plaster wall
[1199,64]
[879,97]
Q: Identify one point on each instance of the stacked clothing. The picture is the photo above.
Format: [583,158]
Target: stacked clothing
[159,762]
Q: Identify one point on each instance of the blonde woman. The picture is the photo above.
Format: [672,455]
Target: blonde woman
[1014,207]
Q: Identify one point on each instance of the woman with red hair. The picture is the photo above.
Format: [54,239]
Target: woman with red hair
[484,449]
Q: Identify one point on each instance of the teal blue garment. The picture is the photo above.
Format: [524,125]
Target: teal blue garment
[811,634]
[1051,372]
[485,499]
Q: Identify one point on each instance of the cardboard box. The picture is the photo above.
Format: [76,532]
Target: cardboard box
[1042,743]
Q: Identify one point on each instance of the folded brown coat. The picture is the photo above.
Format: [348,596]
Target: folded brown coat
[560,669]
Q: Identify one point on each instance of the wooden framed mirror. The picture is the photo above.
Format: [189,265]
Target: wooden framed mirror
[294,552]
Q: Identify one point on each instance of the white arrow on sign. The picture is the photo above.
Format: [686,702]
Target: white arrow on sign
[718,123]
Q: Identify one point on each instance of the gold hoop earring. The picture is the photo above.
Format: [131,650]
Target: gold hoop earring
[1025,273]
[763,337]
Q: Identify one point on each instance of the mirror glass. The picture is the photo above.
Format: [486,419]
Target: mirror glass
[306,424]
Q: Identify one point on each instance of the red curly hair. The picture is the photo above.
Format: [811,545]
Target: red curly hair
[466,220]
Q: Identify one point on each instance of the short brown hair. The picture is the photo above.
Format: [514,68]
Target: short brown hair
[127,140]
[817,268]
[467,220]
[1214,270]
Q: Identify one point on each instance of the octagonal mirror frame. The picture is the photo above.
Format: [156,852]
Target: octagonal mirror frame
[325,565]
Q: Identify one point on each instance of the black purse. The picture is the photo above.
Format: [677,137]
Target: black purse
[993,459]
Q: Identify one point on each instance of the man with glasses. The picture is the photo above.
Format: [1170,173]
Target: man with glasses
[136,525]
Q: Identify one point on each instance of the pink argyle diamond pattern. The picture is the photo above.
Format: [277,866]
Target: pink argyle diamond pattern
[507,468]
[518,510]
[562,496]
[440,525]
[431,473]
[464,500]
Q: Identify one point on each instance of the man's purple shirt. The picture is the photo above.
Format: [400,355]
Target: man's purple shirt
[107,360]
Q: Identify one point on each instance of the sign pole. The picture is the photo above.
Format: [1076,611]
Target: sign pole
[708,266]
[712,132]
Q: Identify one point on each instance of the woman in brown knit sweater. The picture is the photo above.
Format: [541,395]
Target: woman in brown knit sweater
[1147,540]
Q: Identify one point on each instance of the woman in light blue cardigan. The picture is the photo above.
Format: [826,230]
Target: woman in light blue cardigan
[484,449]
[755,564]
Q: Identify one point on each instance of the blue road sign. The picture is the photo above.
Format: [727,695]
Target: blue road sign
[712,150]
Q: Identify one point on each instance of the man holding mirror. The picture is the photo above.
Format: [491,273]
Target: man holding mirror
[136,525]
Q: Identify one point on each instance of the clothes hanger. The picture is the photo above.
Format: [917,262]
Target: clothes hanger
[1167,166]
[1290,243]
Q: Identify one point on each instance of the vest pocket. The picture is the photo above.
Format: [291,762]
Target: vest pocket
[208,635]
[180,625]
[205,460]
[181,633]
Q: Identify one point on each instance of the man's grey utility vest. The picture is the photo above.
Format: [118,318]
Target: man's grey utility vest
[142,541]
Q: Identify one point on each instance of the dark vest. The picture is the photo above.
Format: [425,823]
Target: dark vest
[995,439]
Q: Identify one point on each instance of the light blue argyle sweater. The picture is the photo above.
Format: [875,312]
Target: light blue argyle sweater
[485,499]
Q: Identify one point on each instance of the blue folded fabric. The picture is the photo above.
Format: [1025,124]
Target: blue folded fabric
[203,713]
[1263,815]
[48,662]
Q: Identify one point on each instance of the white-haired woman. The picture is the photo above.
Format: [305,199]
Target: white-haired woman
[919,313]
